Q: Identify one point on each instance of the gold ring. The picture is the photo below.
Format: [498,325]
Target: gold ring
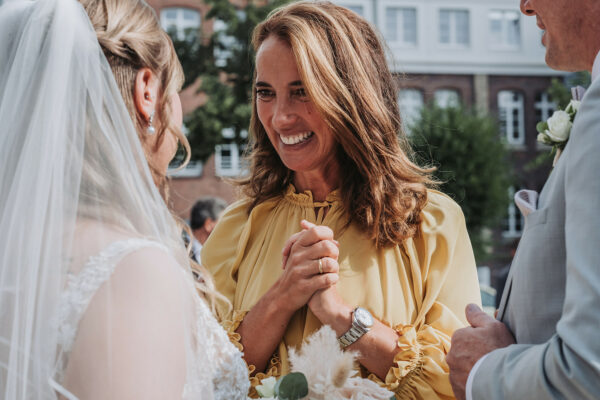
[320,265]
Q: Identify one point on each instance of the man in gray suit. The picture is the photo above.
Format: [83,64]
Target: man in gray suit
[545,342]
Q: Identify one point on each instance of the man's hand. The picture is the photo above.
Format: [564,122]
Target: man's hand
[470,344]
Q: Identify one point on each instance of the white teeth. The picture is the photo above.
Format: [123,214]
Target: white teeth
[296,138]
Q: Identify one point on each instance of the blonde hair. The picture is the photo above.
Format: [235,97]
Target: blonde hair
[131,38]
[343,68]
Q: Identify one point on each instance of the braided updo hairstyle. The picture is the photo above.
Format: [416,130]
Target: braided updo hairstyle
[131,37]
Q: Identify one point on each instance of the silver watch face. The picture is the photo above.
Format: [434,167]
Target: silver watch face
[363,317]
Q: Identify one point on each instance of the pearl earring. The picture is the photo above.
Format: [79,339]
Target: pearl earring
[151,129]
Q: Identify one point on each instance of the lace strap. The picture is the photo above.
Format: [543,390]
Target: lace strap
[81,287]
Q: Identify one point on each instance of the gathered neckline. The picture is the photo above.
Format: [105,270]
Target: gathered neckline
[305,198]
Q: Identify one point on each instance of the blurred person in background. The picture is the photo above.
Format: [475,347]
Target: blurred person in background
[203,219]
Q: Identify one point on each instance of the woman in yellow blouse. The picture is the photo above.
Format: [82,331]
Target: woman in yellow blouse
[338,226]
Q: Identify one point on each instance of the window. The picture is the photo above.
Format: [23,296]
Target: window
[360,10]
[505,29]
[446,98]
[513,225]
[401,25]
[229,160]
[511,116]
[543,107]
[180,20]
[192,169]
[410,102]
[454,28]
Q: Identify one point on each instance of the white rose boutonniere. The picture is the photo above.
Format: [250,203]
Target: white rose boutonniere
[556,130]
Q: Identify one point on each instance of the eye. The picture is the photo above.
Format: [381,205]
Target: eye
[300,94]
[264,94]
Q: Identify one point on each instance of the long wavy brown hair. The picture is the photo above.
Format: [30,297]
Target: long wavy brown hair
[343,68]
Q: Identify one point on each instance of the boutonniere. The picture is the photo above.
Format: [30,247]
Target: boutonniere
[556,130]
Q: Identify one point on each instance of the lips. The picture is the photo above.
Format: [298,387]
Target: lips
[540,24]
[295,139]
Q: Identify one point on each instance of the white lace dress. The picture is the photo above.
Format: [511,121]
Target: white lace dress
[219,370]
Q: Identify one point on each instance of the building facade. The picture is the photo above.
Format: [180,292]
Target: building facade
[485,54]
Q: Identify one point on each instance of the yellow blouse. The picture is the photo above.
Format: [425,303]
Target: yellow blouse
[419,288]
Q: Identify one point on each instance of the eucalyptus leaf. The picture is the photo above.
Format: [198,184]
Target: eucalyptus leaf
[293,386]
[542,126]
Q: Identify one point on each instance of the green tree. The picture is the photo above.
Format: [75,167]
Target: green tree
[559,90]
[472,165]
[224,62]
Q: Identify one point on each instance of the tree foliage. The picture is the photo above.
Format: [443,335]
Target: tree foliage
[224,62]
[471,161]
[560,92]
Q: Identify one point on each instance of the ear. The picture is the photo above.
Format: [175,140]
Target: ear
[209,224]
[145,92]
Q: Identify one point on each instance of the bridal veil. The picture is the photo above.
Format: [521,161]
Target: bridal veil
[73,180]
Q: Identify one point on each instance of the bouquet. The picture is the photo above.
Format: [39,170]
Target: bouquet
[322,370]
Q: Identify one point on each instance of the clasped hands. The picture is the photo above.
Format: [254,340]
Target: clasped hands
[305,255]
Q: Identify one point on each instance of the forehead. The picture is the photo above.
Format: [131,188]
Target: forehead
[275,62]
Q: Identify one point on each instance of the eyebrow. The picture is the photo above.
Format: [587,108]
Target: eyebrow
[265,84]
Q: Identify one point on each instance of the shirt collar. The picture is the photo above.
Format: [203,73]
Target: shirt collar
[596,67]
[196,248]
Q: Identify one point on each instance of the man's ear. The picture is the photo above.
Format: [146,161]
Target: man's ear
[145,92]
[209,225]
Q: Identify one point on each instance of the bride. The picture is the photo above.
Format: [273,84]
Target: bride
[96,295]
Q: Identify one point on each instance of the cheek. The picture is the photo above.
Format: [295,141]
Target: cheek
[167,150]
[263,112]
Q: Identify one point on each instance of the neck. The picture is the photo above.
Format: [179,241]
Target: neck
[201,235]
[320,182]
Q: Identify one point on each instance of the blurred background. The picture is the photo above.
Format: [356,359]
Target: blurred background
[472,87]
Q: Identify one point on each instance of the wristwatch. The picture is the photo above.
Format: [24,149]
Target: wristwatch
[362,321]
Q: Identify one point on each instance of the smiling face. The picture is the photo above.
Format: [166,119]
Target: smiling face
[299,134]
[570,35]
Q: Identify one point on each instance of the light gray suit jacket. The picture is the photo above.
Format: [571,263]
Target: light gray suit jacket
[551,302]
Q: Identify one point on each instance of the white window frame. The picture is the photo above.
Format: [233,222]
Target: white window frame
[453,28]
[410,108]
[546,106]
[398,37]
[367,7]
[193,169]
[179,22]
[447,97]
[508,109]
[232,166]
[502,42]
[514,214]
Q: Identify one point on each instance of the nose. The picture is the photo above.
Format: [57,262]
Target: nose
[526,8]
[284,115]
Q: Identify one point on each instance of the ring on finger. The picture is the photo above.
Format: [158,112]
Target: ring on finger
[320,265]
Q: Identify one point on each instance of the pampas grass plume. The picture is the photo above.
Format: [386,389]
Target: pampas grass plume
[330,371]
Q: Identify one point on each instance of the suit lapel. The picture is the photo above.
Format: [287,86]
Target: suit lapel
[505,295]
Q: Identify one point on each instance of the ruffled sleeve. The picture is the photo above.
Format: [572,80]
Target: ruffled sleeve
[444,277]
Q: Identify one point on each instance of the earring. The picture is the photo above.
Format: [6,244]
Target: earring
[151,130]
